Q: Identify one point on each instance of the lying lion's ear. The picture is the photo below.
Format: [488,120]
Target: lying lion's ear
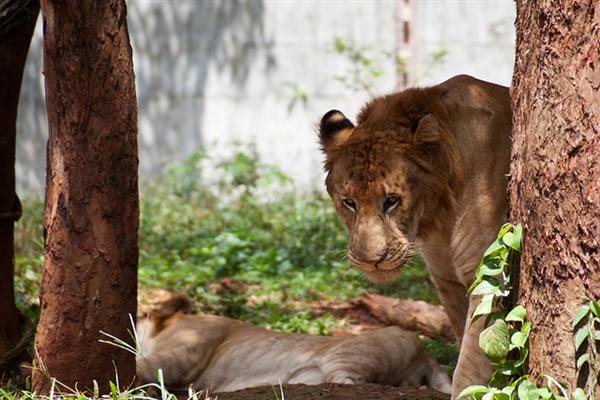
[427,131]
[334,129]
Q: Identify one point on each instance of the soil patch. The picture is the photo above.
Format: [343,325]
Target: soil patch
[332,391]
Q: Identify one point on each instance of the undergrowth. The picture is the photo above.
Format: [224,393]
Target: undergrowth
[205,221]
[505,340]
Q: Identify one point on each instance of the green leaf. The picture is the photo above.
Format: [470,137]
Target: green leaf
[505,228]
[526,329]
[527,391]
[492,267]
[508,390]
[518,235]
[582,360]
[473,390]
[476,282]
[522,357]
[580,336]
[485,307]
[578,394]
[544,393]
[501,396]
[494,341]
[512,241]
[595,308]
[580,314]
[508,240]
[490,395]
[516,314]
[488,286]
[597,335]
[495,247]
[509,368]
[518,340]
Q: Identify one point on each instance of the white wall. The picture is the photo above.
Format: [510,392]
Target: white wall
[479,36]
[220,71]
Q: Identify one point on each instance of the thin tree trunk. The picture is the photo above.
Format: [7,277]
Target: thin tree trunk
[555,172]
[91,212]
[15,39]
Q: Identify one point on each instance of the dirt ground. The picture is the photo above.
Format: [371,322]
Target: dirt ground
[331,391]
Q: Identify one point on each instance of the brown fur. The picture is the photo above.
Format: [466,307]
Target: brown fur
[221,354]
[440,156]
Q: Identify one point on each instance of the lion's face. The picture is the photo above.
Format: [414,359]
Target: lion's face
[377,212]
[379,181]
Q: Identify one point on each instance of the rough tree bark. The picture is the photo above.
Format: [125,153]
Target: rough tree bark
[17,21]
[91,212]
[555,172]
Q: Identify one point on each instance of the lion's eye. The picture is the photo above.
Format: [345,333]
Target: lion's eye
[390,203]
[349,204]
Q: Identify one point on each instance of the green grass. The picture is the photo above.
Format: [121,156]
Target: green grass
[246,221]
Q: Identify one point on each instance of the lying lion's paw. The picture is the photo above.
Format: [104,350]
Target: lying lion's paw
[346,380]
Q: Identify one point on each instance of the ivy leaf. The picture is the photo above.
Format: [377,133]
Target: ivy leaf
[580,314]
[578,394]
[492,267]
[516,314]
[494,341]
[474,284]
[473,390]
[582,360]
[580,336]
[508,390]
[544,393]
[595,308]
[509,368]
[518,340]
[485,307]
[488,286]
[507,239]
[505,228]
[527,391]
[494,248]
[522,358]
[518,235]
[513,239]
[490,395]
[526,329]
[501,396]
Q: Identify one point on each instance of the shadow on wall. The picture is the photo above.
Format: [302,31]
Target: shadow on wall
[177,45]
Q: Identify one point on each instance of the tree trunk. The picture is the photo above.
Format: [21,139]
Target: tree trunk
[92,211]
[555,185]
[14,44]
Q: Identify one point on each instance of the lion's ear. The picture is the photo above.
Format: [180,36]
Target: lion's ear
[427,131]
[334,130]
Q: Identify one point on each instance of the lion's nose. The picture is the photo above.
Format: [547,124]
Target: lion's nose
[375,259]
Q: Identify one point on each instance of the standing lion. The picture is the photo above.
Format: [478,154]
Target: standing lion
[427,169]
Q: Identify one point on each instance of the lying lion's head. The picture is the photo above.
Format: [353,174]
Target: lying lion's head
[391,178]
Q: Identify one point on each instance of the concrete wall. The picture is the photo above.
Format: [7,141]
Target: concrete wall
[266,70]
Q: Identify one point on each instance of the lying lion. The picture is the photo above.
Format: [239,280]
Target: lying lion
[222,354]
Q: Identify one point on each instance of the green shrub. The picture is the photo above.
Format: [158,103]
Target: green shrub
[206,219]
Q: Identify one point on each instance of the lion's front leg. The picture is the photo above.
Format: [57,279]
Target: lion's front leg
[473,366]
